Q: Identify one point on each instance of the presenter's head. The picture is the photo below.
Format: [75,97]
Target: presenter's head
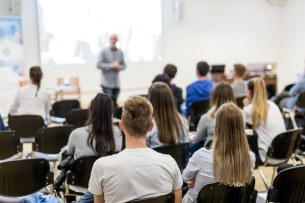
[113,40]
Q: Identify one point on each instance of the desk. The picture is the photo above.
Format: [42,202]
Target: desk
[270,78]
[62,88]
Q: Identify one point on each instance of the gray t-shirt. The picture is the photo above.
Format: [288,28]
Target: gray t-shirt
[134,174]
[205,129]
[239,89]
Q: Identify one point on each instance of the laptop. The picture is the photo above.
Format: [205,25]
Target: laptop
[218,69]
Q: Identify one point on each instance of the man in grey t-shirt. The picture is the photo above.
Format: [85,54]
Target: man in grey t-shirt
[111,63]
[239,85]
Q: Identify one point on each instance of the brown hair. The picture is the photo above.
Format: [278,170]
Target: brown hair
[36,75]
[137,116]
[220,94]
[231,153]
[240,70]
[260,106]
[170,70]
[167,118]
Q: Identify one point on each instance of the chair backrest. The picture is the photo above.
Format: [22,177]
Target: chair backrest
[239,102]
[61,108]
[219,193]
[118,113]
[179,152]
[51,140]
[9,144]
[80,172]
[77,117]
[24,177]
[73,81]
[253,144]
[288,186]
[301,101]
[26,125]
[288,87]
[200,107]
[284,144]
[169,198]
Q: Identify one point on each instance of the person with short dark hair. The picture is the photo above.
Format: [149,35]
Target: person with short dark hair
[145,172]
[199,90]
[239,85]
[171,71]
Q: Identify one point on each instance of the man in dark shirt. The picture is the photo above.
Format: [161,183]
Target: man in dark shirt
[171,71]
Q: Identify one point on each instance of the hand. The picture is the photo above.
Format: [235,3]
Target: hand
[116,66]
[191,183]
[246,102]
[191,133]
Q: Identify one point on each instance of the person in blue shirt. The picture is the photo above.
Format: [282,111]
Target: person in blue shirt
[2,128]
[201,89]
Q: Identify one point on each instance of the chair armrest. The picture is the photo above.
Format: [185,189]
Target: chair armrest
[70,178]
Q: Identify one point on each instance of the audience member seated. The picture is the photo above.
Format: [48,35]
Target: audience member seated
[99,136]
[199,90]
[221,93]
[171,71]
[170,126]
[264,116]
[137,172]
[230,160]
[165,79]
[32,99]
[2,127]
[239,85]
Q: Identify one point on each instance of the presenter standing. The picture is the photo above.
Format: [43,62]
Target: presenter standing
[111,63]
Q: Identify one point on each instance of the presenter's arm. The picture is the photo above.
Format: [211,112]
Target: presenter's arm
[122,63]
[102,65]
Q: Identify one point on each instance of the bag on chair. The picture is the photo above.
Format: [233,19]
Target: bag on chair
[40,198]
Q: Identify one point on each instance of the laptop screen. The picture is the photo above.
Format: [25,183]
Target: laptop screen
[218,69]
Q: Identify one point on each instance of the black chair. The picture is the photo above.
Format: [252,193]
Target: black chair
[239,102]
[169,198]
[10,146]
[49,141]
[283,146]
[77,117]
[179,152]
[198,108]
[288,186]
[61,108]
[24,177]
[118,113]
[26,126]
[253,144]
[219,193]
[288,87]
[301,104]
[79,175]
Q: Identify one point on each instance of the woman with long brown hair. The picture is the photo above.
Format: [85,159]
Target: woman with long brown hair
[170,127]
[223,163]
[221,93]
[32,99]
[264,115]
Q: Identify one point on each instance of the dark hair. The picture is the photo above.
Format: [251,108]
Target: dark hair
[100,125]
[170,70]
[203,68]
[36,75]
[240,70]
[165,79]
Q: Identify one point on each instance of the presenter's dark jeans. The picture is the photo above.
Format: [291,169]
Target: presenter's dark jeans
[113,92]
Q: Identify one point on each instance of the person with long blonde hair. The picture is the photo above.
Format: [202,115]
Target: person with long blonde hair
[170,127]
[264,115]
[230,160]
[221,93]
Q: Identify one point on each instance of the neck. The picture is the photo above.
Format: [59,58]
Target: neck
[202,77]
[113,47]
[237,79]
[133,143]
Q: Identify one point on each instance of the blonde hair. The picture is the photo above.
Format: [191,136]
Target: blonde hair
[221,93]
[260,106]
[231,153]
[166,116]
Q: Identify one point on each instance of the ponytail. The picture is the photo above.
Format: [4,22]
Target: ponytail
[260,106]
[36,75]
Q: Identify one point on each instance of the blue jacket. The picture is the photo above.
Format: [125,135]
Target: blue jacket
[199,90]
[294,93]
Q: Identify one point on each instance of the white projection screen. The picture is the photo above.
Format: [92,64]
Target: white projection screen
[75,31]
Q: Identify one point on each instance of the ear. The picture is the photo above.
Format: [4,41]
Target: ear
[121,126]
[151,126]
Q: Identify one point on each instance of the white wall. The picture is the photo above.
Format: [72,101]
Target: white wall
[210,30]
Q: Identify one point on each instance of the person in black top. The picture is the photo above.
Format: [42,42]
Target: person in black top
[171,71]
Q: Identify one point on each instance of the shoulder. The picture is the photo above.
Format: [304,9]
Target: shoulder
[80,131]
[248,108]
[203,153]
[44,90]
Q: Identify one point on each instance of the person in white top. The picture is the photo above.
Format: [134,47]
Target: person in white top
[170,127]
[137,172]
[264,116]
[32,99]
